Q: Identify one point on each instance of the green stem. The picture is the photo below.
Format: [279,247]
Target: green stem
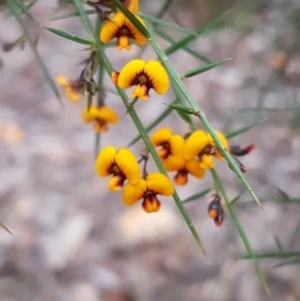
[12,6]
[175,77]
[164,8]
[220,188]
[137,122]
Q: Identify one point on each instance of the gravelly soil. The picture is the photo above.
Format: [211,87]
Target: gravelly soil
[72,239]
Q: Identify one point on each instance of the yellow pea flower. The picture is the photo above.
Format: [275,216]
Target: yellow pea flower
[100,117]
[191,167]
[121,164]
[72,88]
[143,75]
[147,189]
[200,145]
[121,28]
[170,148]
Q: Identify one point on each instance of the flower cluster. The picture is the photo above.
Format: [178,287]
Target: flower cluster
[125,172]
[194,154]
[99,116]
[121,164]
[191,155]
[185,155]
[144,75]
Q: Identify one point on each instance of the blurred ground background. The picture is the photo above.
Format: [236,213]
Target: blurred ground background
[74,240]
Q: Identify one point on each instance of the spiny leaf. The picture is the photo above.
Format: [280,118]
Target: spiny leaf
[197,196]
[32,44]
[244,129]
[84,17]
[183,109]
[132,103]
[186,95]
[25,8]
[100,102]
[219,187]
[69,36]
[295,234]
[164,8]
[183,42]
[72,15]
[180,110]
[294,261]
[271,254]
[183,104]
[278,243]
[275,109]
[139,125]
[5,228]
[193,53]
[286,198]
[168,24]
[232,202]
[203,69]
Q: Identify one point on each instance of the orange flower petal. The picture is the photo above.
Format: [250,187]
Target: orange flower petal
[194,144]
[133,192]
[129,72]
[72,94]
[176,145]
[151,204]
[105,160]
[141,91]
[145,76]
[128,165]
[120,27]
[173,163]
[132,5]
[107,114]
[100,127]
[138,37]
[123,43]
[206,161]
[159,184]
[161,136]
[115,183]
[110,27]
[158,76]
[194,169]
[90,115]
[181,177]
[114,77]
[63,81]
[100,116]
